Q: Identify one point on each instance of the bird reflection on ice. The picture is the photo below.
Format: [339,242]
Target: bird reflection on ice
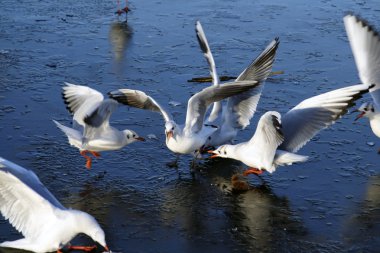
[364,224]
[119,36]
[256,218]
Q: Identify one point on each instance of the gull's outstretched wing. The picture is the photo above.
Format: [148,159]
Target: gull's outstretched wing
[241,108]
[24,200]
[138,99]
[201,36]
[81,101]
[261,66]
[198,104]
[101,115]
[365,46]
[305,120]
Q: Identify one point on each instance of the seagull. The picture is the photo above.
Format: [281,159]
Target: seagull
[365,46]
[191,136]
[278,138]
[43,221]
[124,10]
[236,114]
[91,131]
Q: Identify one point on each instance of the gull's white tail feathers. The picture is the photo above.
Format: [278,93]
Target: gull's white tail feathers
[283,158]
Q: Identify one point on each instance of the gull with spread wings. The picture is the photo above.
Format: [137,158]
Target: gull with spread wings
[91,131]
[238,110]
[43,221]
[192,136]
[365,46]
[276,140]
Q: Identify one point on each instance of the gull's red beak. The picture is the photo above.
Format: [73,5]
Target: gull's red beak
[140,138]
[169,135]
[360,116]
[214,155]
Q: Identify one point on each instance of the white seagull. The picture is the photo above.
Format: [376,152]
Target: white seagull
[91,131]
[33,211]
[236,114]
[365,46]
[275,143]
[191,136]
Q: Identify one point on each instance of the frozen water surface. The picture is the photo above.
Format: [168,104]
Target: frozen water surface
[329,204]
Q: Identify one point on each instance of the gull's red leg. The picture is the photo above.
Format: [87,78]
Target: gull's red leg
[119,11]
[96,154]
[84,248]
[252,171]
[88,159]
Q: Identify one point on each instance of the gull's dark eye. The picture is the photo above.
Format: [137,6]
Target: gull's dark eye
[225,152]
[365,109]
[372,110]
[219,151]
[172,128]
[127,136]
[134,135]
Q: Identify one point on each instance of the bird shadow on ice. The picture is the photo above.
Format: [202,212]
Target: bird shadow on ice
[363,227]
[256,218]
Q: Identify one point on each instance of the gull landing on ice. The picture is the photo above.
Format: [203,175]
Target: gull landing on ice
[237,110]
[278,138]
[91,131]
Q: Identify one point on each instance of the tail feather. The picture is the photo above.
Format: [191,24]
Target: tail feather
[70,132]
[283,158]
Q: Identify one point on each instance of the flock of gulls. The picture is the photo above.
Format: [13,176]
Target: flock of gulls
[214,117]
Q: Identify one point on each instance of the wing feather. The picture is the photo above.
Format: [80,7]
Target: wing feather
[25,201]
[305,120]
[268,136]
[138,99]
[241,108]
[198,104]
[365,46]
[81,101]
[203,43]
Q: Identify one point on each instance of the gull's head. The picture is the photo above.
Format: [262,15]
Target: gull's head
[170,129]
[89,226]
[132,136]
[99,237]
[222,151]
[365,110]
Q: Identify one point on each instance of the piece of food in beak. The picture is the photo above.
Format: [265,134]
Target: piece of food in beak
[169,135]
[214,155]
[140,138]
[360,116]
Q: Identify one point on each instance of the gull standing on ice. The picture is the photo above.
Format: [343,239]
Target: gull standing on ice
[236,114]
[365,46]
[276,141]
[91,131]
[33,211]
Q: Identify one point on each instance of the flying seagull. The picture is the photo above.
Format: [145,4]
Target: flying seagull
[91,131]
[238,110]
[365,46]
